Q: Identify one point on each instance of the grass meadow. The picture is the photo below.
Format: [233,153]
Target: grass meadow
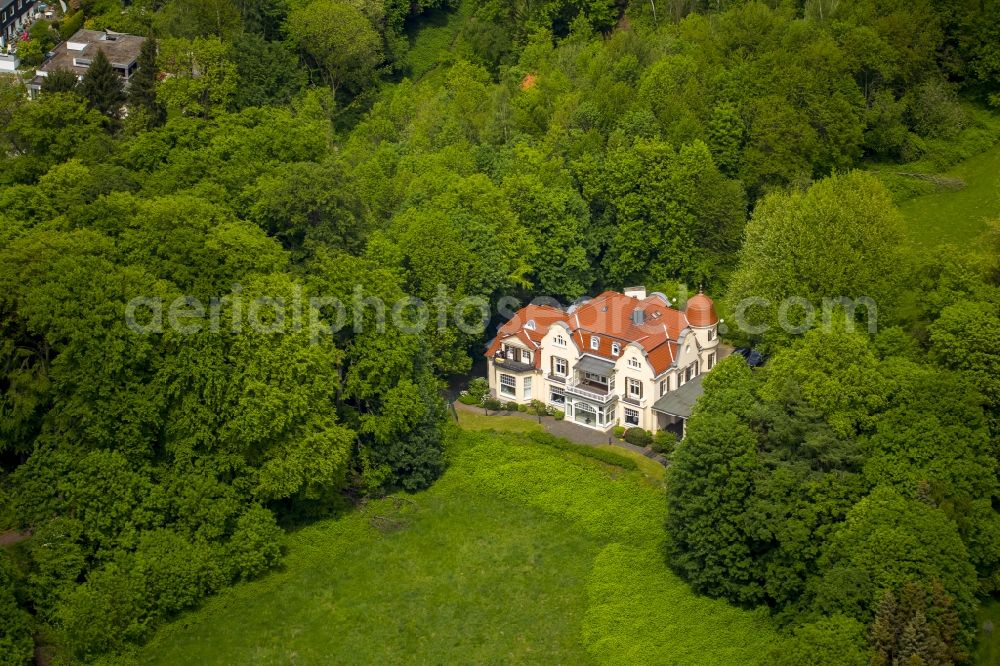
[521,553]
[957,216]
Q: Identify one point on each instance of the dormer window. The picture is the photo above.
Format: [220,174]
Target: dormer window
[616,349]
[595,342]
[530,325]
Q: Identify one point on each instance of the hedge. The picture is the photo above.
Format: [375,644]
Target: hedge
[638,437]
[609,457]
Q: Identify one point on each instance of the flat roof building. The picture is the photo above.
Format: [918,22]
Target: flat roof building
[77,52]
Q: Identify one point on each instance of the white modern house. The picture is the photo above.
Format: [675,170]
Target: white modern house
[626,359]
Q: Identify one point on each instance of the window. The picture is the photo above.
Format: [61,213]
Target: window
[595,342]
[634,387]
[711,334]
[508,385]
[560,341]
[631,417]
[687,347]
[560,366]
[585,414]
[525,356]
[711,360]
[597,379]
[557,398]
[530,325]
[527,388]
[635,363]
[665,386]
[616,349]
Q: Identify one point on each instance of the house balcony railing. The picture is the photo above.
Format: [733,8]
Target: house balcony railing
[512,365]
[559,379]
[632,401]
[590,391]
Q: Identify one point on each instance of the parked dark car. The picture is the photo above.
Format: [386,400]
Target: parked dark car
[753,357]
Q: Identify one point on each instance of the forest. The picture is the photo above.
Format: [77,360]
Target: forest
[449,149]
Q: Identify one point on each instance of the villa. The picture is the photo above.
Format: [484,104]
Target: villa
[617,359]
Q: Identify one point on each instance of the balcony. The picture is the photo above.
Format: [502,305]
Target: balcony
[559,379]
[511,365]
[599,393]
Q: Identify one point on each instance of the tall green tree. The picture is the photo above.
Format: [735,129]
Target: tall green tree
[102,87]
[339,39]
[840,238]
[710,480]
[270,73]
[885,542]
[60,81]
[142,88]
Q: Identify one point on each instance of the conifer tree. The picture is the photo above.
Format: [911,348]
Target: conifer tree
[60,80]
[884,632]
[142,90]
[102,86]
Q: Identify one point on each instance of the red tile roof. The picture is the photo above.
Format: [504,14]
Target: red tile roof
[700,311]
[609,316]
[543,317]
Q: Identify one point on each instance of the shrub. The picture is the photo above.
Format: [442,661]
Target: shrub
[70,24]
[479,388]
[664,442]
[538,408]
[255,546]
[618,431]
[511,406]
[558,414]
[469,399]
[522,408]
[638,437]
[492,404]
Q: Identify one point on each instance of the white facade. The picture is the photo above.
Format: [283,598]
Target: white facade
[598,390]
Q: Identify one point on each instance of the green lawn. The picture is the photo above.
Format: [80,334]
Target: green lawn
[520,554]
[988,649]
[958,216]
[480,421]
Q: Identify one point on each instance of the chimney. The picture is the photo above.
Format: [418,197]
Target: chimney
[638,293]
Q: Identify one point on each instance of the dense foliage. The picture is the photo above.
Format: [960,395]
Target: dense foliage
[292,149]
